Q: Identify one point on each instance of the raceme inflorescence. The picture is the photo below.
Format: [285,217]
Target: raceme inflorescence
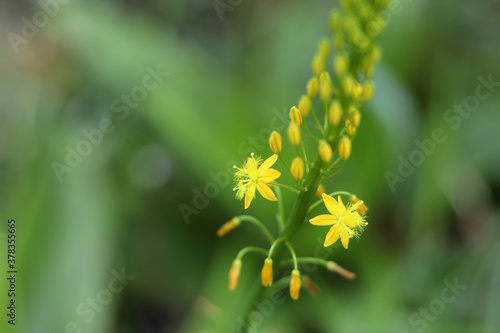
[329,114]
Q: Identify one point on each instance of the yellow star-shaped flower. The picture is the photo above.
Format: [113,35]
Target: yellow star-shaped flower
[346,222]
[256,176]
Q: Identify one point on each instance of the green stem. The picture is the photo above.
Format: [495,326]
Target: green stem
[317,203]
[306,128]
[287,187]
[316,120]
[294,256]
[281,209]
[251,249]
[283,160]
[259,224]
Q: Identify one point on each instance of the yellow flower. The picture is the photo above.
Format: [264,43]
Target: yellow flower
[335,112]
[234,274]
[255,176]
[345,222]
[295,284]
[295,116]
[320,190]
[362,207]
[267,273]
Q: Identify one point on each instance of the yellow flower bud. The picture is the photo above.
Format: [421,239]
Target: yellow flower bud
[325,91]
[335,112]
[297,168]
[228,226]
[357,91]
[368,91]
[293,132]
[320,191]
[345,146]
[318,64]
[312,87]
[347,84]
[304,105]
[354,116]
[276,142]
[267,273]
[335,21]
[324,48]
[325,78]
[234,274]
[362,208]
[295,284]
[351,130]
[325,151]
[295,116]
[341,64]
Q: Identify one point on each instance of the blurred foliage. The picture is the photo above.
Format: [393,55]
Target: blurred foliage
[120,206]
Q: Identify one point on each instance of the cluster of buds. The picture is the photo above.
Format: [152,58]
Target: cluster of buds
[328,113]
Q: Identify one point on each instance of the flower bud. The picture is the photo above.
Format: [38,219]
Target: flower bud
[348,84]
[325,91]
[295,116]
[304,105]
[335,21]
[234,274]
[357,91]
[325,151]
[297,168]
[344,148]
[312,87]
[341,64]
[351,130]
[354,116]
[335,113]
[361,208]
[324,48]
[324,77]
[310,286]
[267,273]
[368,91]
[228,226]
[295,284]
[276,142]
[334,267]
[320,191]
[293,133]
[318,64]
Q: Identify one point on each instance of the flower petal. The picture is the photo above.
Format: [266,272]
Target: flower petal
[268,163]
[341,204]
[249,196]
[251,166]
[269,175]
[332,236]
[344,236]
[332,205]
[326,219]
[352,220]
[266,191]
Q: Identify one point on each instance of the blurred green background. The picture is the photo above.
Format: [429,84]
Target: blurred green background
[120,206]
